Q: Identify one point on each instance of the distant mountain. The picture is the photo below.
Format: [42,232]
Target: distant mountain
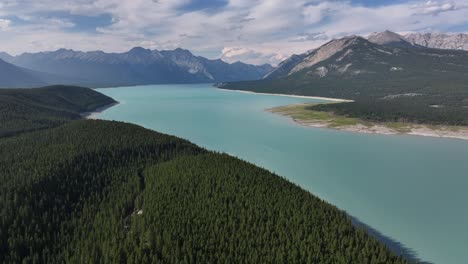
[353,67]
[429,40]
[135,67]
[285,66]
[236,70]
[14,77]
[5,56]
[439,40]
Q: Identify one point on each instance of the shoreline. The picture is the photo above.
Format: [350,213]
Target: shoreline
[365,127]
[93,114]
[291,95]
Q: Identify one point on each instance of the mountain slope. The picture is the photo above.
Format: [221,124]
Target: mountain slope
[283,69]
[135,67]
[13,76]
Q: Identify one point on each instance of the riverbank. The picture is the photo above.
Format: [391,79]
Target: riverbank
[97,111]
[291,95]
[300,114]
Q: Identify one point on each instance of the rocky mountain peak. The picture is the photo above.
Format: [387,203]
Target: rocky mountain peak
[139,50]
[388,38]
[181,52]
[326,51]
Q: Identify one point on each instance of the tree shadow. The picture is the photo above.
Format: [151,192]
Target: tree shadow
[395,246]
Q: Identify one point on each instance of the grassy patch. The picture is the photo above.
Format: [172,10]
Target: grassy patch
[301,113]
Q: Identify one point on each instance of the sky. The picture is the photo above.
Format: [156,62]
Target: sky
[253,31]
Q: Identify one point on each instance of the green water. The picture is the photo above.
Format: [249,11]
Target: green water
[412,190]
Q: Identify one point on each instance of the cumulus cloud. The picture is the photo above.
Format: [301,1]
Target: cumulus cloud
[255,31]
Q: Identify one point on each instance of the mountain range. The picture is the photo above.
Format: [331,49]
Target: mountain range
[354,67]
[439,40]
[141,66]
[138,66]
[12,76]
[458,41]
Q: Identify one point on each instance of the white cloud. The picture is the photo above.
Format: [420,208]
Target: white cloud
[435,8]
[234,54]
[4,24]
[255,31]
[310,37]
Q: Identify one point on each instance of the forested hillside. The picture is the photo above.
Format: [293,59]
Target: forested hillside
[39,108]
[409,108]
[92,191]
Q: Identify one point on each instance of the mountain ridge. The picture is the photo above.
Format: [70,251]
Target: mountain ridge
[16,77]
[389,38]
[458,41]
[386,38]
[138,66]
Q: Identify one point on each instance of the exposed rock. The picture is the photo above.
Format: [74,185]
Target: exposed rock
[321,71]
[324,52]
[439,40]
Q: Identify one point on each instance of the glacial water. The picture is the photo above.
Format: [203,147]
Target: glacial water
[411,191]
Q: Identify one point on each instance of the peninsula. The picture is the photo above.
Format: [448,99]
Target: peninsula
[306,115]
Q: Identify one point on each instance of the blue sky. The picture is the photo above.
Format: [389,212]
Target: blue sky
[255,31]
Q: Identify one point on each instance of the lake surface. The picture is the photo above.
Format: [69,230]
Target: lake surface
[412,190]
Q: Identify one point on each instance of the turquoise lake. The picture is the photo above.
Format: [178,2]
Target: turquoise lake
[412,190]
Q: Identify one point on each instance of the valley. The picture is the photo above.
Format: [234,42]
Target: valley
[233,131]
[104,191]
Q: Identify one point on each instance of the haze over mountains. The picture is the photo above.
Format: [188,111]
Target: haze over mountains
[12,76]
[138,66]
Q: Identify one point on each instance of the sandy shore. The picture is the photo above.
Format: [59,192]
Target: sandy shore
[290,95]
[95,113]
[417,130]
[358,126]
